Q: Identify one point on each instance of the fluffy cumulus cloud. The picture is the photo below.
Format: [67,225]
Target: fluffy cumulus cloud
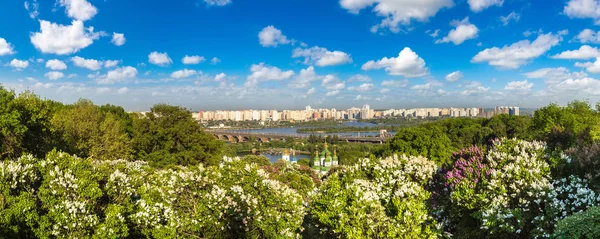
[588,36]
[591,67]
[215,61]
[271,37]
[80,10]
[359,78]
[426,86]
[305,78]
[480,5]
[584,52]
[407,64]
[518,53]
[56,65]
[90,64]
[554,75]
[332,93]
[474,88]
[218,3]
[111,63]
[63,39]
[395,83]
[519,86]
[192,60]
[311,91]
[583,9]
[185,73]
[6,48]
[322,57]
[159,59]
[118,75]
[454,76]
[398,12]
[118,39]
[333,83]
[262,72]
[54,75]
[463,31]
[19,64]
[513,16]
[363,88]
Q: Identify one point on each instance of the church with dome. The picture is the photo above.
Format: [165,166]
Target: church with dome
[325,160]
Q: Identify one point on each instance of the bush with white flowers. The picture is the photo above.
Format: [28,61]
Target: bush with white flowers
[376,199]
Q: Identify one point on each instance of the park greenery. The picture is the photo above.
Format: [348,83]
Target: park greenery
[86,171]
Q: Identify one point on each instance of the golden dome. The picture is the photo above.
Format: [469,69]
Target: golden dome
[286,152]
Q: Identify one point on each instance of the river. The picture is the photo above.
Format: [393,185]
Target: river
[292,130]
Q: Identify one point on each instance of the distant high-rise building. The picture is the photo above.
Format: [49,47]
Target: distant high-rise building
[365,112]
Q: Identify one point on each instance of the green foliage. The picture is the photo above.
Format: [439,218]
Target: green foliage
[257,159]
[385,199]
[168,136]
[585,225]
[430,142]
[89,132]
[562,126]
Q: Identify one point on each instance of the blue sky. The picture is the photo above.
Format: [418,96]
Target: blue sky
[278,54]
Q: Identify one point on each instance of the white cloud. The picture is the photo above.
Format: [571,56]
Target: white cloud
[118,39]
[592,67]
[359,78]
[80,10]
[221,76]
[54,75]
[111,63]
[519,86]
[588,36]
[118,74]
[271,37]
[407,64]
[425,86]
[219,3]
[19,64]
[518,53]
[474,88]
[583,9]
[434,33]
[513,16]
[311,91]
[584,52]
[395,83]
[398,12]
[262,72]
[185,73]
[463,31]
[71,76]
[454,76]
[91,64]
[554,75]
[385,90]
[192,60]
[332,93]
[363,88]
[360,97]
[123,90]
[215,61]
[305,78]
[480,5]
[333,83]
[160,59]
[56,65]
[32,8]
[321,56]
[61,39]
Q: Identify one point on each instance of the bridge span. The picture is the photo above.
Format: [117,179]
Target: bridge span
[237,137]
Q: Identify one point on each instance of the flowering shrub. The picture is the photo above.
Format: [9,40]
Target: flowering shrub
[385,199]
[67,197]
[580,226]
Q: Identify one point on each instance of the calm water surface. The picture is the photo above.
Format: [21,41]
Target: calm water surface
[292,130]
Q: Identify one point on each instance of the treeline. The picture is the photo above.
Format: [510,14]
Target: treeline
[561,127]
[167,135]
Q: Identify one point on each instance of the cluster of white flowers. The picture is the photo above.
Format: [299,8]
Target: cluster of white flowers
[519,176]
[18,173]
[72,219]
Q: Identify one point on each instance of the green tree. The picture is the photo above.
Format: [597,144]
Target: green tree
[12,131]
[168,135]
[430,142]
[88,132]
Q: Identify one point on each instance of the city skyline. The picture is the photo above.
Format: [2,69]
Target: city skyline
[229,54]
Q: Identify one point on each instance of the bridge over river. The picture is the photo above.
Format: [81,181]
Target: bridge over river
[243,136]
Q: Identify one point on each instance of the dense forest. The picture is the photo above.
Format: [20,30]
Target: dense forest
[81,170]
